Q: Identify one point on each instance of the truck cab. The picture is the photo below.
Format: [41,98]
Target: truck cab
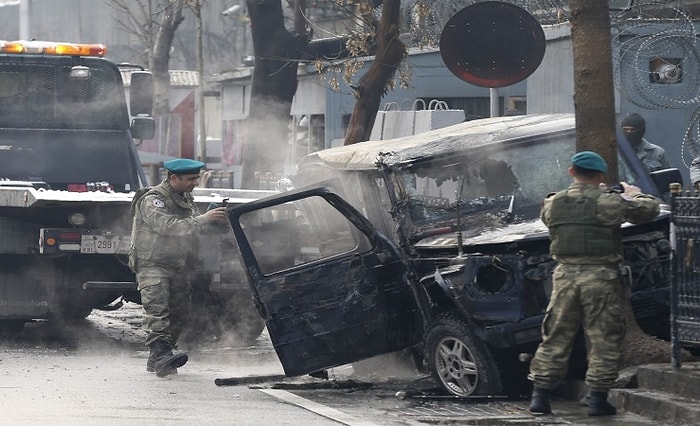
[69,166]
[69,173]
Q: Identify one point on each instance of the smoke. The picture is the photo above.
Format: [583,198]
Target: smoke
[395,365]
[266,147]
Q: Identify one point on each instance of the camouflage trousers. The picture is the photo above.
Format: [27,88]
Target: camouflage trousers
[583,295]
[166,299]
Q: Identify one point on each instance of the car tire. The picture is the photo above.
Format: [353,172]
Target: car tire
[461,364]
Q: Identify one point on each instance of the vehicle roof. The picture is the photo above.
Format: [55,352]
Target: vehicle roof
[441,142]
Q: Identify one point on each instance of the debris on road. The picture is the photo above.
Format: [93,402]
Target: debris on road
[248,380]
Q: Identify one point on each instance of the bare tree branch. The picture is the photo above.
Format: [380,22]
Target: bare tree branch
[373,84]
[154,23]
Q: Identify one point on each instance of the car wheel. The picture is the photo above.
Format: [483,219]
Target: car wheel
[462,364]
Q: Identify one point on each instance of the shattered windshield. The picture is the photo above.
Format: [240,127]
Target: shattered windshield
[490,186]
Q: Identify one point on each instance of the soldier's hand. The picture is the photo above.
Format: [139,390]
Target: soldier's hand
[630,190]
[217,214]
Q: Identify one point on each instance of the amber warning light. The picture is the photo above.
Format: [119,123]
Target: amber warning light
[51,48]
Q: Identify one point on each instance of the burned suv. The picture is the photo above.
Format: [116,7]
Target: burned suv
[431,242]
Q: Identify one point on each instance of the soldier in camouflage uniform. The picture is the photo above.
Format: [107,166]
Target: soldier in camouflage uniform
[163,251]
[584,224]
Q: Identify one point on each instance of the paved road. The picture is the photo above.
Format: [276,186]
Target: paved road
[93,373]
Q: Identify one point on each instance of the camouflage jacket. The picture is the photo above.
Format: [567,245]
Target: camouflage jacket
[165,229]
[613,209]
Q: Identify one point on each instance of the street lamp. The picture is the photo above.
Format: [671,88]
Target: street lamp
[239,17]
[233,10]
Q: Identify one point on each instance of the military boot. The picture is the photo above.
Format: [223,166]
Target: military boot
[539,404]
[166,362]
[151,363]
[598,404]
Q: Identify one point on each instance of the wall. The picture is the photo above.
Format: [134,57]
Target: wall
[430,79]
[550,90]
[551,86]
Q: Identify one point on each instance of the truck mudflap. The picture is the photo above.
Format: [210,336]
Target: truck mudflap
[83,241]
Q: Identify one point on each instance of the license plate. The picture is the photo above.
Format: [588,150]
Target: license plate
[101,244]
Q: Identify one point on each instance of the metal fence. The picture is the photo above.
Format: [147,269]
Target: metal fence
[685,283]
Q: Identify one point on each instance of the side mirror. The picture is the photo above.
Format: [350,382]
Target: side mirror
[141,93]
[143,127]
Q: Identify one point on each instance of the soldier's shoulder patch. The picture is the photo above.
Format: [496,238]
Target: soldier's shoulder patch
[157,202]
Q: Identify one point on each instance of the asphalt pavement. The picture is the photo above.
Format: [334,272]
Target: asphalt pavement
[93,373]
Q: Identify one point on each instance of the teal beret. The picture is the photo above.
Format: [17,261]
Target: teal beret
[589,160]
[184,166]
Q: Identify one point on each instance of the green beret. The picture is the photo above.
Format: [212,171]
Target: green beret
[184,166]
[589,160]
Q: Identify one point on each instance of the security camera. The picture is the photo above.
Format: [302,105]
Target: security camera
[233,10]
[667,74]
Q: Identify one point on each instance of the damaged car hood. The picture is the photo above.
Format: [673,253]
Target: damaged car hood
[517,232]
[521,232]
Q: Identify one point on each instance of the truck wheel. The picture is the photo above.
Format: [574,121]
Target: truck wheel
[74,313]
[11,326]
[247,325]
[462,364]
[72,305]
[223,315]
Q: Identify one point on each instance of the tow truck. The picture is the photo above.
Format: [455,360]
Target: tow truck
[68,172]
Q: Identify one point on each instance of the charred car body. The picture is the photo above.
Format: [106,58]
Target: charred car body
[430,242]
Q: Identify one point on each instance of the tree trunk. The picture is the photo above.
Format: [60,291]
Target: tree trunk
[373,84]
[594,99]
[276,50]
[595,131]
[160,57]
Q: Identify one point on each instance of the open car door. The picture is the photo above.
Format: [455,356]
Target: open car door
[330,288]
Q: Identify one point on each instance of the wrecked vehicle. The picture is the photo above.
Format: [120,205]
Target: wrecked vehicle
[431,242]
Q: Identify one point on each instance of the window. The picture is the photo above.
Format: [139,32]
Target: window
[490,182]
[300,233]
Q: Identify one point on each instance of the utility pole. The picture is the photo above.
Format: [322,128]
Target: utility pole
[24,11]
[202,136]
